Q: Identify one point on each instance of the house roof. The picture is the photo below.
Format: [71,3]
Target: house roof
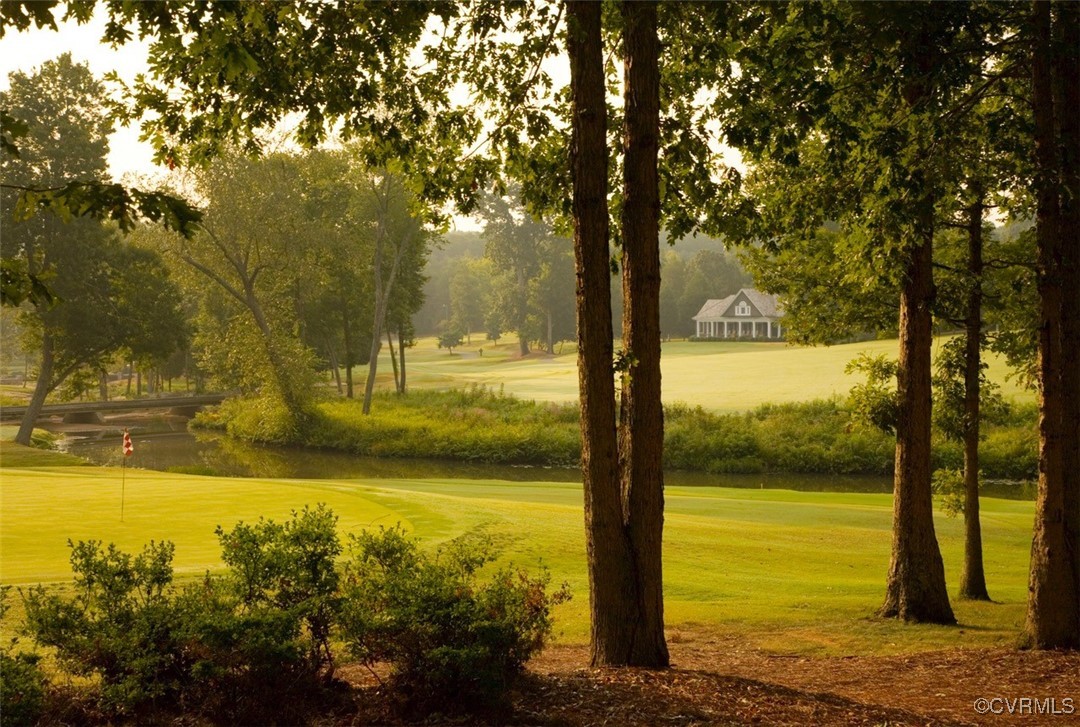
[715,309]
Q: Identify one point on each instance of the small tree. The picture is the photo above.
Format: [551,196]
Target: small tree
[451,336]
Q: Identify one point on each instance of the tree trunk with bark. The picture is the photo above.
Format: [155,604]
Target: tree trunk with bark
[382,291]
[335,367]
[41,390]
[1068,72]
[611,578]
[641,425]
[523,311]
[1053,617]
[346,334]
[393,361]
[973,577]
[915,588]
[401,355]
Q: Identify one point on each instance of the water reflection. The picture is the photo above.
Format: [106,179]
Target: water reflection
[161,447]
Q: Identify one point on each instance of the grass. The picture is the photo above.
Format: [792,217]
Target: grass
[719,376]
[792,572]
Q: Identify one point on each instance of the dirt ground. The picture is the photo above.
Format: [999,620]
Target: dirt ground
[719,680]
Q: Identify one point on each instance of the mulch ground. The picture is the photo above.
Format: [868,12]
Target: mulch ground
[717,679]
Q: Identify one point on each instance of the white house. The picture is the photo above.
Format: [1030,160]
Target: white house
[747,314]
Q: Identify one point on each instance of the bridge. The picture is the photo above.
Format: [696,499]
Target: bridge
[90,411]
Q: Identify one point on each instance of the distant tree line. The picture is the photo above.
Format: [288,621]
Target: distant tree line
[465,293]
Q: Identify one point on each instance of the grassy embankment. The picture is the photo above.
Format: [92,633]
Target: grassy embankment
[789,415]
[793,572]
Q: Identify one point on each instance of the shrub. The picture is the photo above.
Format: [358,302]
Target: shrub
[22,683]
[454,643]
[289,568]
[122,626]
[248,647]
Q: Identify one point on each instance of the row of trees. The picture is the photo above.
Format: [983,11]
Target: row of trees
[90,296]
[921,119]
[298,260]
[868,115]
[469,293]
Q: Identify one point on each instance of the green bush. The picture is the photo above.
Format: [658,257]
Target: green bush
[250,646]
[22,682]
[289,568]
[122,626]
[455,643]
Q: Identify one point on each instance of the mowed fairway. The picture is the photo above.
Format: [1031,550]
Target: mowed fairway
[719,376]
[793,572]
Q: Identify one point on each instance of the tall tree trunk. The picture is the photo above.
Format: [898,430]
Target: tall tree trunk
[131,374]
[550,333]
[1067,70]
[401,354]
[1053,617]
[346,333]
[41,390]
[103,385]
[973,578]
[382,298]
[373,360]
[393,361]
[523,311]
[915,588]
[611,580]
[334,366]
[641,425]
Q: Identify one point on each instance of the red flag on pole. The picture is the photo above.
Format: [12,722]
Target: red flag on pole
[129,448]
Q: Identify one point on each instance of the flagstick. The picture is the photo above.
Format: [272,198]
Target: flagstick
[123,483]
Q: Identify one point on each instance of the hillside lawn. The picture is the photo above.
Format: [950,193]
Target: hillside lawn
[790,572]
[720,376]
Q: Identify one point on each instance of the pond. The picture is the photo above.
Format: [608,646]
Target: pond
[166,445]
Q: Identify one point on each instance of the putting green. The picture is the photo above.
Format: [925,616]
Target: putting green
[791,571]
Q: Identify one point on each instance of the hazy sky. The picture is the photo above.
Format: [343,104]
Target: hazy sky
[28,50]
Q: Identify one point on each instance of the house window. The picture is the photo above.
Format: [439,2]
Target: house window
[742,309]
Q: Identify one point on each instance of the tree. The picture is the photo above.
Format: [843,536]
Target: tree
[622,474]
[102,295]
[451,337]
[248,248]
[641,430]
[515,242]
[406,300]
[551,295]
[883,105]
[470,293]
[1053,618]
[341,306]
[401,243]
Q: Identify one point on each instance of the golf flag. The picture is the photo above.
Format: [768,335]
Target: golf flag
[129,448]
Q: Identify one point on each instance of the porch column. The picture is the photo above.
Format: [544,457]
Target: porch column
[769,323]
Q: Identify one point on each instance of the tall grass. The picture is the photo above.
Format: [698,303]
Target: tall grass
[473,424]
[480,425]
